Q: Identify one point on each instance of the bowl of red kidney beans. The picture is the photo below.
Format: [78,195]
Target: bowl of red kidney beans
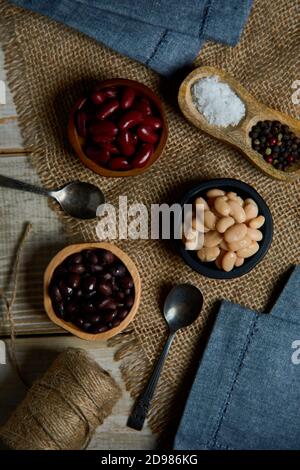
[92,290]
[119,128]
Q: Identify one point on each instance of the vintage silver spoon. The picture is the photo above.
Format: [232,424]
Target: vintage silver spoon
[182,307]
[77,199]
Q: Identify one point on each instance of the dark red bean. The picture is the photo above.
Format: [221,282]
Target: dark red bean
[76,258]
[60,271]
[122,313]
[65,290]
[126,143]
[119,163]
[59,309]
[127,291]
[107,109]
[73,280]
[81,123]
[88,308]
[78,294]
[143,156]
[129,301]
[146,134]
[127,282]
[72,309]
[77,268]
[86,326]
[118,270]
[106,304]
[105,277]
[55,294]
[79,321]
[91,257]
[94,268]
[108,317]
[130,119]
[89,284]
[111,92]
[105,288]
[104,128]
[98,97]
[100,328]
[120,296]
[107,257]
[127,98]
[115,322]
[94,318]
[89,295]
[152,122]
[143,105]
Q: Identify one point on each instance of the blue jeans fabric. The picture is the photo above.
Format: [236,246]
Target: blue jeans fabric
[165,35]
[246,394]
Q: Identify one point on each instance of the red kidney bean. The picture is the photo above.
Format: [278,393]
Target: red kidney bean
[152,122]
[134,138]
[119,163]
[77,268]
[105,128]
[146,134]
[73,281]
[98,97]
[122,313]
[125,143]
[107,109]
[105,288]
[127,98]
[111,92]
[130,119]
[108,317]
[111,148]
[143,156]
[102,139]
[81,123]
[99,155]
[143,105]
[89,284]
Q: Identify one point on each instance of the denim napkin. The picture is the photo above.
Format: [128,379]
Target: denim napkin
[163,34]
[246,394]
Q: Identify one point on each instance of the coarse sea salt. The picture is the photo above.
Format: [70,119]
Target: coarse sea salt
[217,102]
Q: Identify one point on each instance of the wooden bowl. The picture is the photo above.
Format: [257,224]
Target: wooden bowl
[77,141]
[245,191]
[238,136]
[59,258]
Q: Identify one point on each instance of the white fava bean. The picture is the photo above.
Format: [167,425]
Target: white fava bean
[208,254]
[224,223]
[250,201]
[254,234]
[235,233]
[198,225]
[215,193]
[210,220]
[228,261]
[257,222]
[237,212]
[251,211]
[194,244]
[239,261]
[222,206]
[212,238]
[224,246]
[201,201]
[248,251]
[218,261]
[235,246]
[231,195]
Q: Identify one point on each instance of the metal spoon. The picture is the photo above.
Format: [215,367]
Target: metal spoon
[182,306]
[77,199]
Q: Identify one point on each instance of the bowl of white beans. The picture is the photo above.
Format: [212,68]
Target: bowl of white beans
[229,229]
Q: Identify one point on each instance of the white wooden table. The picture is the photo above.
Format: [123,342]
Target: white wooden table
[41,340]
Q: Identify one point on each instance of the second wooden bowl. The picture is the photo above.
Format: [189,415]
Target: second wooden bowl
[60,257]
[238,136]
[77,141]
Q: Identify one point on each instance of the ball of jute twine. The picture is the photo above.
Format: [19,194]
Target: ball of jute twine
[62,409]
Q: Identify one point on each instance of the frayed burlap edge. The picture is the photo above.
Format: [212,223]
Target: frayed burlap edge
[134,364]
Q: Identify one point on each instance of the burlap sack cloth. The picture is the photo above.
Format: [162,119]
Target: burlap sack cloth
[49,66]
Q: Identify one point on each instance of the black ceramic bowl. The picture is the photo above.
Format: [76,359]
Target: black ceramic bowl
[245,191]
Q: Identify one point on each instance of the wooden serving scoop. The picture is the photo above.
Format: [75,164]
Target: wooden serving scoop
[238,136]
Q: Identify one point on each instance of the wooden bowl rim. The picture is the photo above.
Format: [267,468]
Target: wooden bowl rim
[75,248]
[75,139]
[255,111]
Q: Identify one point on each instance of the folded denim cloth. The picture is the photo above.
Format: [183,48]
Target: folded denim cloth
[246,394]
[164,35]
